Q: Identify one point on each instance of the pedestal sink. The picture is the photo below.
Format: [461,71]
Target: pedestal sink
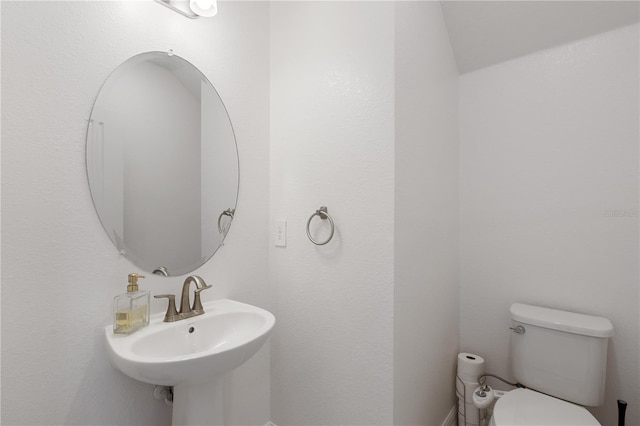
[192,355]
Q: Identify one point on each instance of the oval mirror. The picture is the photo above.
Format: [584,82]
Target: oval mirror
[162,163]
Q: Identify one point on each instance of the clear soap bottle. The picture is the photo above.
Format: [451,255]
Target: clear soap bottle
[131,309]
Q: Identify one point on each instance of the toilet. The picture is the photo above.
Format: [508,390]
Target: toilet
[560,357]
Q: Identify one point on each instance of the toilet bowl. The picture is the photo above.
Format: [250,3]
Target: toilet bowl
[527,407]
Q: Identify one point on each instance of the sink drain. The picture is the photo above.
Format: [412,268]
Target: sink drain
[191,329]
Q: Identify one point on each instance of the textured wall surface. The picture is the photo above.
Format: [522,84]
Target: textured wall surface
[332,136]
[60,270]
[426,217]
[361,118]
[549,198]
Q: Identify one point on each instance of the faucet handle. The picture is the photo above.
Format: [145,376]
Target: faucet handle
[172,313]
[197,304]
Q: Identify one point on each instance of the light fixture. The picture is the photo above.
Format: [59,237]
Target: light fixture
[205,8]
[192,9]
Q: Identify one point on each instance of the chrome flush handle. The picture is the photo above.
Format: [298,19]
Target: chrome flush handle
[519,329]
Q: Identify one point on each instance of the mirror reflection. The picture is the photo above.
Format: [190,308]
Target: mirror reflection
[162,163]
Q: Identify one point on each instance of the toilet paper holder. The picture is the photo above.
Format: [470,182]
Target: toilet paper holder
[461,393]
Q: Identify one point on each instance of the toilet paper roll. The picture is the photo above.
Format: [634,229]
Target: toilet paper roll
[463,422]
[466,389]
[470,367]
[470,412]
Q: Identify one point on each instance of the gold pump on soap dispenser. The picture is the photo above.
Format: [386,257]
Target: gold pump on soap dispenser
[131,309]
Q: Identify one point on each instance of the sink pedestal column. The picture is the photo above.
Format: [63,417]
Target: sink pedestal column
[198,404]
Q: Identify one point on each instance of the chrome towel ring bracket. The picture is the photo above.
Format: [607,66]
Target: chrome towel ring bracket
[227,212]
[322,212]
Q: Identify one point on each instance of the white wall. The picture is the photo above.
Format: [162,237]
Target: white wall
[332,144]
[364,120]
[426,217]
[60,270]
[548,150]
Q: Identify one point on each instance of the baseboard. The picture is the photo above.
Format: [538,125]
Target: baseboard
[451,420]
[452,417]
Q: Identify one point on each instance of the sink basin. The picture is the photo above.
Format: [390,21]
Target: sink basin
[193,354]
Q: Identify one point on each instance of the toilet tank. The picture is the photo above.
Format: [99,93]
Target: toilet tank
[563,354]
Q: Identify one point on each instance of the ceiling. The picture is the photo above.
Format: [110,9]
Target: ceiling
[484,33]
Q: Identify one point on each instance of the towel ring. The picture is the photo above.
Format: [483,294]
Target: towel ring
[227,212]
[322,212]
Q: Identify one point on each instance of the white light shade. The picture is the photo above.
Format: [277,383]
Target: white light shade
[204,7]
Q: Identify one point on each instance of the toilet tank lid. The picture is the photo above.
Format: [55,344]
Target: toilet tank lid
[554,319]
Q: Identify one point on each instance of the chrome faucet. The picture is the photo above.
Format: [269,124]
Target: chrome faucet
[186,309]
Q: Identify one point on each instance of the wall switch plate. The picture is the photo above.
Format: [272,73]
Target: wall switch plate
[281,233]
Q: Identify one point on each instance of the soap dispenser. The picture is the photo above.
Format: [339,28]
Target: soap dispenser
[131,309]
